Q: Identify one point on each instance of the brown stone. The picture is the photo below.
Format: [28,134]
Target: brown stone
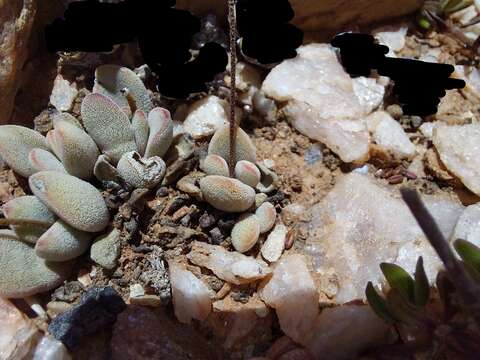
[141,333]
[323,17]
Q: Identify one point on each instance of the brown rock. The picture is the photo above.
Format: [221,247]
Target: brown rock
[141,333]
[318,16]
[16,17]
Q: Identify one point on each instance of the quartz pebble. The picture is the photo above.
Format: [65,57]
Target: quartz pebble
[206,116]
[392,36]
[360,224]
[191,296]
[50,349]
[289,289]
[273,247]
[458,147]
[63,94]
[230,266]
[323,102]
[245,233]
[468,225]
[389,136]
[18,334]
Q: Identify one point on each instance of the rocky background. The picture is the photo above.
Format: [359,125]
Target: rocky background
[26,65]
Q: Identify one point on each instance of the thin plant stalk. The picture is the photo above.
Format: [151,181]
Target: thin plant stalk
[232,159]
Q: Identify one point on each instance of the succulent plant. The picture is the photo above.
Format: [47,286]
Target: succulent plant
[247,172]
[245,233]
[266,215]
[23,272]
[227,194]
[214,165]
[420,315]
[57,223]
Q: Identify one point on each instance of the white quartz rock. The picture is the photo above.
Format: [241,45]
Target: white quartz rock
[50,349]
[206,116]
[468,225]
[342,332]
[349,139]
[323,102]
[393,37]
[389,135]
[191,296]
[459,149]
[291,291]
[360,224]
[273,247]
[18,334]
[230,266]
[63,94]
[369,92]
[427,129]
[317,78]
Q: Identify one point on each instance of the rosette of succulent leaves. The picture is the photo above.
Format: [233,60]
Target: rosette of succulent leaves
[121,138]
[440,320]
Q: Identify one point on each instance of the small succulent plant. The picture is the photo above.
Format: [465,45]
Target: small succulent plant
[121,138]
[444,322]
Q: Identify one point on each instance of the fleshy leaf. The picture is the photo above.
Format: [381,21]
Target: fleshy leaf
[422,287]
[140,130]
[469,253]
[399,279]
[16,142]
[103,170]
[161,132]
[108,125]
[401,309]
[378,303]
[42,160]
[112,80]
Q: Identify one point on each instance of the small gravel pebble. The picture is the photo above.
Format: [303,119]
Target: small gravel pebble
[226,225]
[217,236]
[162,192]
[206,221]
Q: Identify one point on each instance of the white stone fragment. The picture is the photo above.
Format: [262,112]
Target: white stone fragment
[471,76]
[360,224]
[273,247]
[389,135]
[50,349]
[18,334]
[230,266]
[427,129]
[324,103]
[459,150]
[468,225]
[341,332]
[349,139]
[393,37]
[369,92]
[206,116]
[63,94]
[191,296]
[291,291]
[317,78]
